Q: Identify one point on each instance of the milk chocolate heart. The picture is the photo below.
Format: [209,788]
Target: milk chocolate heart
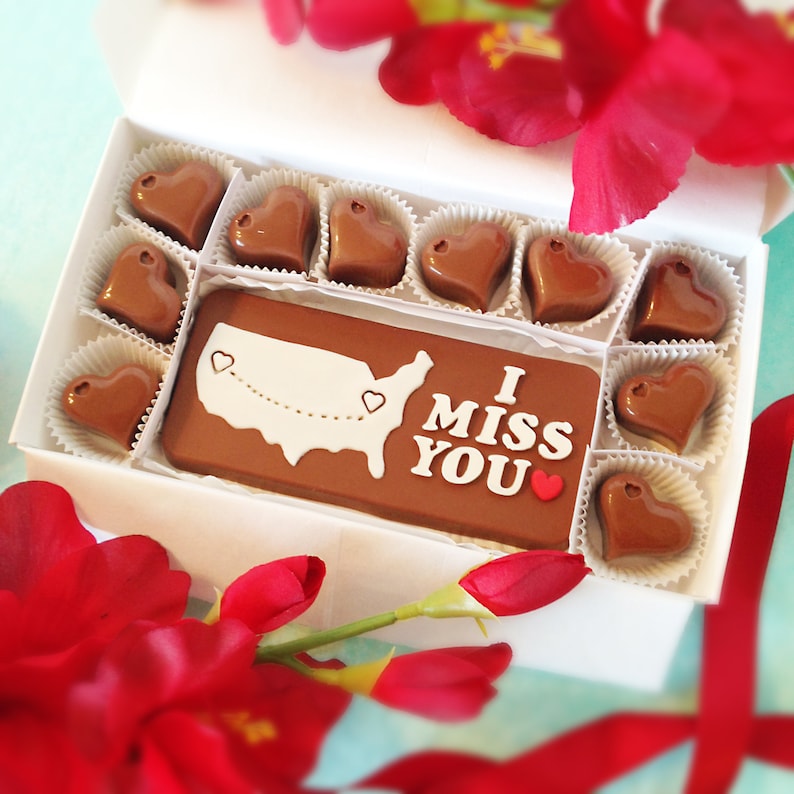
[365,251]
[467,268]
[114,404]
[182,202]
[278,234]
[673,304]
[564,285]
[139,291]
[634,522]
[666,408]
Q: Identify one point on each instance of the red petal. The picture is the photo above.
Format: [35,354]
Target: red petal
[38,527]
[343,24]
[523,102]
[758,58]
[409,71]
[524,581]
[284,19]
[271,595]
[97,591]
[633,152]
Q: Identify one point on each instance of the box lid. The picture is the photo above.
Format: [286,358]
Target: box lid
[210,73]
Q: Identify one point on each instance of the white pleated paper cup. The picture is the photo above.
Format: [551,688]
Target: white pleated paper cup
[101,357]
[671,483]
[389,208]
[454,220]
[711,434]
[101,261]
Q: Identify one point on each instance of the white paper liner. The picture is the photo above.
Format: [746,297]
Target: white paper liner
[388,206]
[100,263]
[614,253]
[251,194]
[670,483]
[455,219]
[167,157]
[715,274]
[100,356]
[710,436]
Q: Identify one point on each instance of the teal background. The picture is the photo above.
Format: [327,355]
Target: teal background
[58,105]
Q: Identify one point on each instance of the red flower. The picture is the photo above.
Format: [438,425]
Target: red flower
[342,24]
[271,595]
[524,581]
[445,684]
[284,18]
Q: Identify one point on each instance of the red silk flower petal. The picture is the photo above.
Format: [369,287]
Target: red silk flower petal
[97,591]
[270,595]
[758,58]
[284,19]
[632,153]
[38,527]
[409,71]
[524,581]
[447,684]
[600,43]
[523,102]
[344,24]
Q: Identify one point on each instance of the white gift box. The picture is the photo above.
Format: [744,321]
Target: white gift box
[209,74]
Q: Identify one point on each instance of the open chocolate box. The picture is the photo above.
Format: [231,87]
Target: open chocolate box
[211,86]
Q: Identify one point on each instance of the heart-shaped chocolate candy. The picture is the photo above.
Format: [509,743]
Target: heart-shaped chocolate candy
[139,291]
[666,408]
[467,268]
[564,285]
[182,202]
[635,523]
[278,234]
[673,304]
[114,404]
[365,251]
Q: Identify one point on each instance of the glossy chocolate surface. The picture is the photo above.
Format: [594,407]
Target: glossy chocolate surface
[139,291]
[114,404]
[673,304]
[666,408]
[181,202]
[467,268]
[635,523]
[527,422]
[564,285]
[280,233]
[365,251]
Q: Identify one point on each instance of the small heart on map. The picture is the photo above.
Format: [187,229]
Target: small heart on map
[181,202]
[546,487]
[365,250]
[114,404]
[467,268]
[278,234]
[139,291]
[666,408]
[221,361]
[674,304]
[564,285]
[373,400]
[635,522]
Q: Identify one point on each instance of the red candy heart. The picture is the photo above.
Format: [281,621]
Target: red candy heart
[114,404]
[564,285]
[182,202]
[467,268]
[546,487]
[634,522]
[673,304]
[365,251]
[279,234]
[139,291]
[666,408]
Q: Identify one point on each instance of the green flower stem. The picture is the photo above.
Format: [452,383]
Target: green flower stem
[788,174]
[284,650]
[436,12]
